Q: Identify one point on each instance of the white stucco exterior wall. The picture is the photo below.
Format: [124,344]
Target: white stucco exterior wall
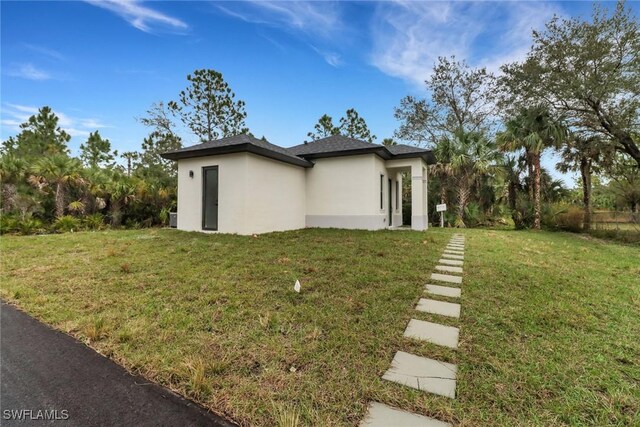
[344,192]
[276,196]
[255,194]
[232,189]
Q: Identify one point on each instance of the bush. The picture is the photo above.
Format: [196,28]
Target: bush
[94,221]
[29,226]
[66,223]
[8,224]
[571,219]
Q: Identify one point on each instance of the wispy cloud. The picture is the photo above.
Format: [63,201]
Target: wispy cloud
[332,58]
[42,50]
[141,17]
[13,115]
[408,37]
[321,18]
[28,71]
[315,22]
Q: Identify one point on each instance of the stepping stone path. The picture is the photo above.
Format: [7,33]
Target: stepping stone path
[446,278]
[450,262]
[445,291]
[442,308]
[432,332]
[449,269]
[422,373]
[385,416]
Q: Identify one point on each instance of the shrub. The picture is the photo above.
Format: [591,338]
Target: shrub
[66,223]
[472,215]
[29,226]
[8,224]
[94,221]
[571,219]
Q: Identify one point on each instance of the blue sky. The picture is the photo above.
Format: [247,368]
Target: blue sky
[101,64]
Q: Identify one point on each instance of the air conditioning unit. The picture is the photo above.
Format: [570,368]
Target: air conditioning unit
[173,219]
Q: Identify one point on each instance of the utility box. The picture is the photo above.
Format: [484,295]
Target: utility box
[173,219]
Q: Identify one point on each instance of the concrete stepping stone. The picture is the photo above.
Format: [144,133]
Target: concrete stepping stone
[446,278]
[423,374]
[442,308]
[380,415]
[435,333]
[445,291]
[461,247]
[452,256]
[449,268]
[450,261]
[452,252]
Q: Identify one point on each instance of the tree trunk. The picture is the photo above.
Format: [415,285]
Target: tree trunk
[463,198]
[116,213]
[585,172]
[9,194]
[443,192]
[536,191]
[531,167]
[59,199]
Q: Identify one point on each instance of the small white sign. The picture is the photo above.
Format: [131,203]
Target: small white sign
[441,208]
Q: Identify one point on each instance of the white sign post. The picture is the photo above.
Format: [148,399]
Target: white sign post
[441,208]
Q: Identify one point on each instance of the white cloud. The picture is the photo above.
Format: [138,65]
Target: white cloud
[141,17]
[408,37]
[28,71]
[332,58]
[51,53]
[13,115]
[319,21]
[321,18]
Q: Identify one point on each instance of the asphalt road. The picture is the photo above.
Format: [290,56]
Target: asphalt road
[42,369]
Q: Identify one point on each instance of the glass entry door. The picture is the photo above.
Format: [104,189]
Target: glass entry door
[210,198]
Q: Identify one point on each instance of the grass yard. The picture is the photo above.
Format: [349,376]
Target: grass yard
[549,328]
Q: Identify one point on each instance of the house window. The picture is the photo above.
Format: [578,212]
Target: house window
[397,195]
[381,192]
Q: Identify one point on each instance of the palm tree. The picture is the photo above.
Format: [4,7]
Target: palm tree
[532,130]
[58,170]
[472,154]
[12,171]
[584,154]
[122,190]
[442,168]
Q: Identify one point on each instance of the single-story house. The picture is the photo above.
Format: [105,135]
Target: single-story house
[245,185]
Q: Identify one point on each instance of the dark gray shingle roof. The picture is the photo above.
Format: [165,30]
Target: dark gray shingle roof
[238,143]
[336,145]
[331,144]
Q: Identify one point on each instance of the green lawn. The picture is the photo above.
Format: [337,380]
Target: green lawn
[549,328]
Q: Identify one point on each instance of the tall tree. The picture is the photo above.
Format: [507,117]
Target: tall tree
[131,158]
[471,154]
[208,106]
[388,142]
[12,172]
[588,72]
[96,152]
[39,136]
[323,128]
[584,154]
[624,181]
[532,130]
[354,126]
[461,101]
[57,170]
